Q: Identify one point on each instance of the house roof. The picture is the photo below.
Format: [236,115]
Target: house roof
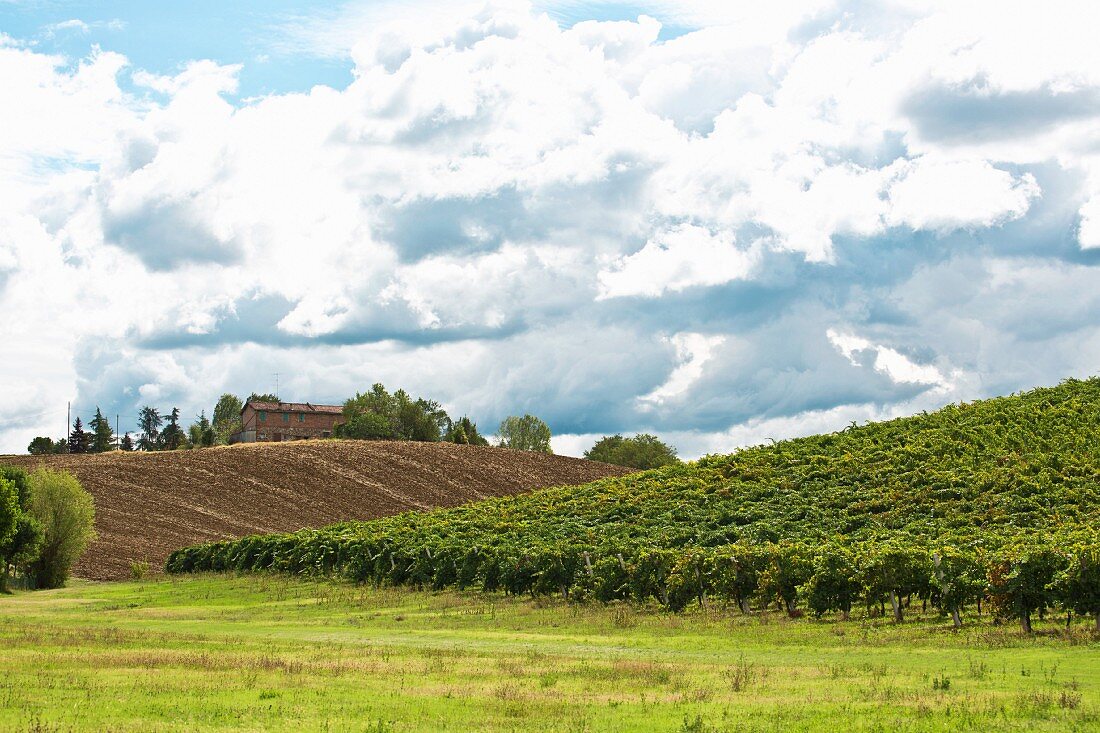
[293,407]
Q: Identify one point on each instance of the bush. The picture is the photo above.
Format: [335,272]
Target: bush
[138,569]
[66,513]
[643,452]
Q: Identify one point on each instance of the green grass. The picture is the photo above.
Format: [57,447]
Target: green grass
[270,652]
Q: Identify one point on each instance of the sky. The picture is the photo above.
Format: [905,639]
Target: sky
[722,223]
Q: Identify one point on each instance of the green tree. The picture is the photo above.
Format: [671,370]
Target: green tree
[421,420]
[366,426]
[103,437]
[41,446]
[525,433]
[80,441]
[894,571]
[173,436]
[835,584]
[1080,583]
[201,432]
[66,513]
[468,430]
[9,510]
[643,451]
[23,545]
[959,579]
[265,397]
[379,415]
[227,417]
[738,570]
[1021,580]
[127,443]
[149,422]
[789,567]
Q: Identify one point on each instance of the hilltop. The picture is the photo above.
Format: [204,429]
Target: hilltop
[975,477]
[148,504]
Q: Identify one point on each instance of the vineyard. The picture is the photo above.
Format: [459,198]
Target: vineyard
[992,504]
[148,504]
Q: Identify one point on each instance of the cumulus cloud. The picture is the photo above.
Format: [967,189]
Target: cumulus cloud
[886,360]
[683,257]
[822,203]
[944,195]
[693,351]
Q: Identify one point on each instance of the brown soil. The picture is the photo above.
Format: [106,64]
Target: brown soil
[148,504]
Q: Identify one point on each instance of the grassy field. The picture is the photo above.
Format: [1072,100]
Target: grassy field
[268,652]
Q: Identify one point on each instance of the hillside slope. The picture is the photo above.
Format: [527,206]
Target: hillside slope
[975,476]
[148,504]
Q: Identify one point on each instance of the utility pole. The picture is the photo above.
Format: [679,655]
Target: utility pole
[68,421]
[277,387]
[116,432]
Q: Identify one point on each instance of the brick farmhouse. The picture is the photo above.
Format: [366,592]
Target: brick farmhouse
[273,422]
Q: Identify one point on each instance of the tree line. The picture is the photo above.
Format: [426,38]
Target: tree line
[1018,581]
[376,414]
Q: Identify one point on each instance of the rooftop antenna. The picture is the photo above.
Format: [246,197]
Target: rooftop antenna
[277,395]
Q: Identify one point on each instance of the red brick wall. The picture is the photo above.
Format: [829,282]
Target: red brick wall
[295,426]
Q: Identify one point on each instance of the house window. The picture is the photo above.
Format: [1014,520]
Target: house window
[301,417]
[263,416]
[286,417]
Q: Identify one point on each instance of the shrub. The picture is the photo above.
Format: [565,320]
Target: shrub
[643,452]
[66,513]
[138,569]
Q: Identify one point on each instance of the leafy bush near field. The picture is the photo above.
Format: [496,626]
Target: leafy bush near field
[995,501]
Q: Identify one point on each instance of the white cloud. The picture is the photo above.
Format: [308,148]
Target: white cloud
[1089,233]
[950,194]
[888,361]
[682,257]
[693,351]
[550,200]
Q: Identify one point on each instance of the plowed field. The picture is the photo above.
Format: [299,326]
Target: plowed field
[148,504]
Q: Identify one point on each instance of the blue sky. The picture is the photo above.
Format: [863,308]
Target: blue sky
[164,37]
[722,223]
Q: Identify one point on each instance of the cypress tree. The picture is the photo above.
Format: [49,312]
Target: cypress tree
[80,441]
[103,437]
[173,435]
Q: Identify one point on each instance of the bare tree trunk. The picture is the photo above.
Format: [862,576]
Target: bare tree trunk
[896,605]
[1025,622]
[745,606]
[955,618]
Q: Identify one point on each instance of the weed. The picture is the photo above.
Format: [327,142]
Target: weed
[744,674]
[138,569]
[696,725]
[1069,700]
[978,670]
